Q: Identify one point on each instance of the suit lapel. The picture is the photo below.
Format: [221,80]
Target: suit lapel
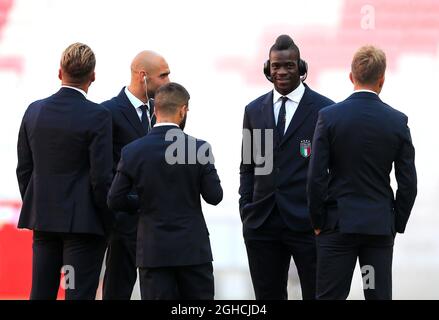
[130,113]
[304,109]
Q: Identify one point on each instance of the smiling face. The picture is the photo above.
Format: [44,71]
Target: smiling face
[284,70]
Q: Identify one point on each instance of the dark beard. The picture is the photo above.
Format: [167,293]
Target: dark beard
[183,122]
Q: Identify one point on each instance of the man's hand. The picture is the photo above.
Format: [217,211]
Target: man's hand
[317,231]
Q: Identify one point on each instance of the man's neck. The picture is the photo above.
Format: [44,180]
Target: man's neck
[167,120]
[139,93]
[366,88]
[84,87]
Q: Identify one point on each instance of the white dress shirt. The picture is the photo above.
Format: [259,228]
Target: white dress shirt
[365,90]
[137,103]
[77,89]
[293,101]
[162,124]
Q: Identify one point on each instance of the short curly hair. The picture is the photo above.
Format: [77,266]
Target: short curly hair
[169,97]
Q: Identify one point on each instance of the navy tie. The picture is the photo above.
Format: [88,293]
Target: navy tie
[151,112]
[145,121]
[281,119]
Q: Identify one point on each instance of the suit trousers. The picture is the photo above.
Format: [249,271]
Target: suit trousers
[120,263]
[81,255]
[337,255]
[269,251]
[193,282]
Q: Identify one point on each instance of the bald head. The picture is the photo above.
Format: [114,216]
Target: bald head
[146,61]
[154,67]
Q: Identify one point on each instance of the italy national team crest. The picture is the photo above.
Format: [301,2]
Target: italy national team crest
[305,148]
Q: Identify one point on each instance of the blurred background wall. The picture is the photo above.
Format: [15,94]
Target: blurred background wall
[216,49]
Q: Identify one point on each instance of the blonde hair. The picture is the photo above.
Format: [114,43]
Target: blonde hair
[368,65]
[78,61]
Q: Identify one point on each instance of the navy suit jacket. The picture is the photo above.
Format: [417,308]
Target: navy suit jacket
[172,230]
[64,165]
[127,126]
[355,145]
[285,185]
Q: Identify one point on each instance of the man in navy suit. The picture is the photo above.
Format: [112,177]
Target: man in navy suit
[169,170]
[133,117]
[273,205]
[64,174]
[352,206]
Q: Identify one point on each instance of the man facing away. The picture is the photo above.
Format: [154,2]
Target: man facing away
[133,116]
[353,209]
[64,174]
[169,171]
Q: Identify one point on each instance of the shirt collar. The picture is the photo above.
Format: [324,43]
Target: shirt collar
[365,90]
[295,95]
[136,102]
[77,89]
[162,124]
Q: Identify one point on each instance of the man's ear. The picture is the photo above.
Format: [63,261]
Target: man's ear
[60,74]
[351,77]
[93,77]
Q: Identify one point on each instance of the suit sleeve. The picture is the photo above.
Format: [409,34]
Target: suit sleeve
[247,166]
[211,189]
[405,173]
[317,185]
[25,161]
[116,154]
[120,197]
[101,158]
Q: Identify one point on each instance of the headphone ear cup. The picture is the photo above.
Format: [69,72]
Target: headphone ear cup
[303,67]
[267,71]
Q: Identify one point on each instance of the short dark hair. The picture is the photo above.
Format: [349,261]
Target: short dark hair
[169,97]
[368,65]
[284,42]
[78,61]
